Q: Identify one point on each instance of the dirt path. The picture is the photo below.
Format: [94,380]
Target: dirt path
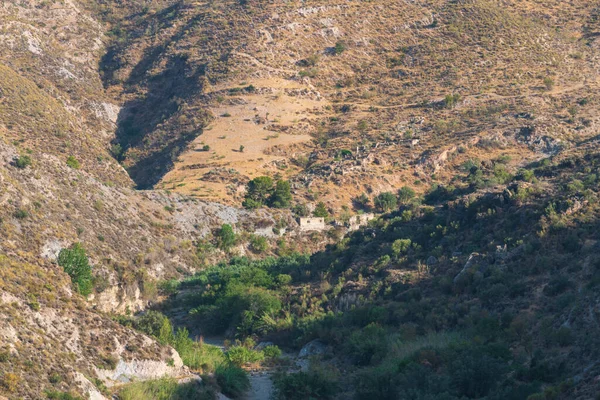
[261,386]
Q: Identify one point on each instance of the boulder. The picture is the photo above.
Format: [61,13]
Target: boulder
[313,348]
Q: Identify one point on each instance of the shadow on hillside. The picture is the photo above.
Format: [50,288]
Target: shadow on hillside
[149,135]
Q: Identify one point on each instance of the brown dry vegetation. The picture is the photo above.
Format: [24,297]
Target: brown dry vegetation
[341,99]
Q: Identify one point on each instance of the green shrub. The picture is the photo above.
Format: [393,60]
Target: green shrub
[198,356]
[226,237]
[400,247]
[451,100]
[340,47]
[155,324]
[240,356]
[165,389]
[272,352]
[386,201]
[232,380]
[21,214]
[367,345]
[75,262]
[317,383]
[258,192]
[72,162]
[377,383]
[56,395]
[259,244]
[23,162]
[321,210]
[405,194]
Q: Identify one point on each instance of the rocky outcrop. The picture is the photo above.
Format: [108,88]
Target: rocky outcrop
[136,370]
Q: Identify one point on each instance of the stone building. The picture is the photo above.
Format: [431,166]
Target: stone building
[359,220]
[312,224]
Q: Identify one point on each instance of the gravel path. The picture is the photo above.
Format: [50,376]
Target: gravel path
[261,386]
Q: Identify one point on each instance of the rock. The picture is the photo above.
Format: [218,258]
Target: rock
[475,264]
[135,370]
[432,260]
[313,348]
[262,345]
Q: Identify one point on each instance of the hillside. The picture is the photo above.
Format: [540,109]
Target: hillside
[462,294]
[60,184]
[132,133]
[307,83]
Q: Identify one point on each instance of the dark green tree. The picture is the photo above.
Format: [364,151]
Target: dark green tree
[405,194]
[75,262]
[282,197]
[386,201]
[226,237]
[321,210]
[258,192]
[362,201]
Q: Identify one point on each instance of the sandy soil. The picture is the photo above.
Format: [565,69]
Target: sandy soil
[277,114]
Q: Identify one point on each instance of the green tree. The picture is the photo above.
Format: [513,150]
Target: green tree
[282,197]
[321,210]
[75,262]
[301,210]
[226,237]
[386,201]
[258,192]
[400,247]
[362,201]
[405,194]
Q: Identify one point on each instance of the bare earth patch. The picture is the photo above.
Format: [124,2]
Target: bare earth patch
[272,113]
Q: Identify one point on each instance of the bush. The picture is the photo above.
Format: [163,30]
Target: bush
[164,389]
[451,100]
[377,383]
[56,395]
[258,244]
[72,162]
[317,383]
[226,237]
[23,162]
[321,210]
[21,214]
[340,47]
[197,355]
[405,194]
[10,381]
[155,324]
[272,352]
[240,356]
[386,201]
[232,380]
[75,262]
[367,344]
[400,247]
